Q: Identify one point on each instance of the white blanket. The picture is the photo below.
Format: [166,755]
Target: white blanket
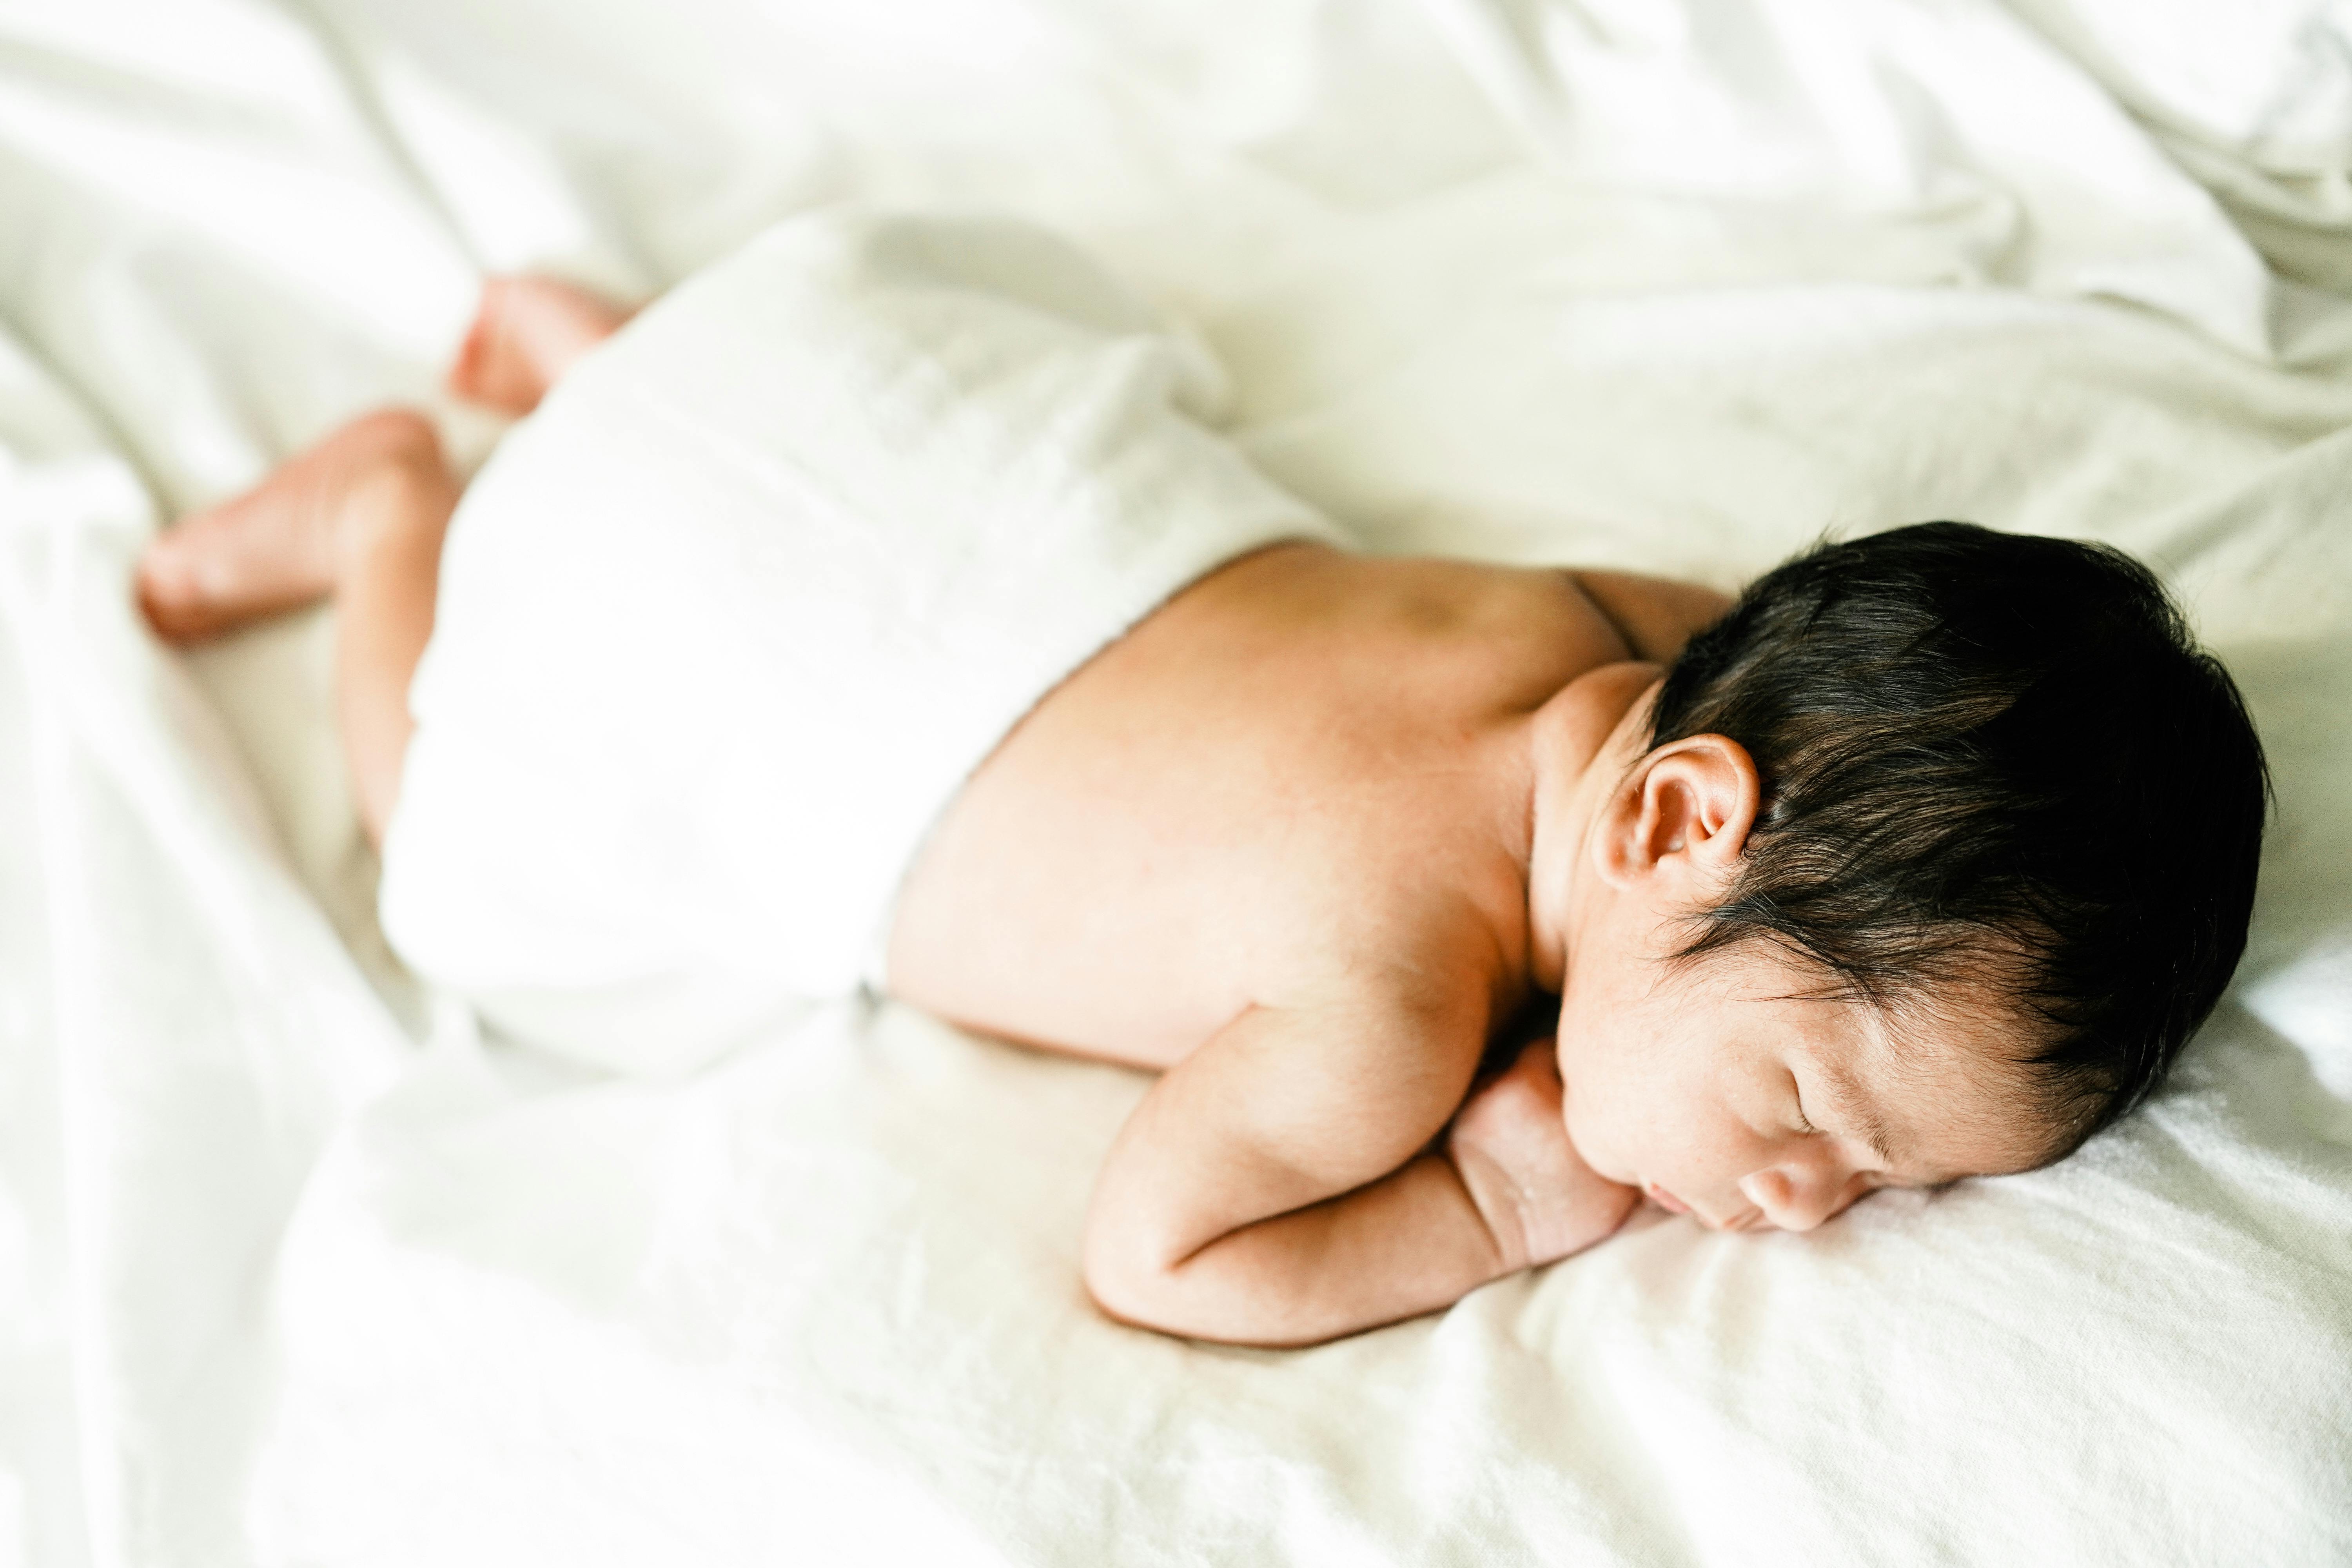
[295,1270]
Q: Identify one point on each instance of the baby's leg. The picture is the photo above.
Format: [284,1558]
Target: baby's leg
[360,516]
[525,335]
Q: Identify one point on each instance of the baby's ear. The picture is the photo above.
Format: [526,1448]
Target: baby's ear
[1684,813]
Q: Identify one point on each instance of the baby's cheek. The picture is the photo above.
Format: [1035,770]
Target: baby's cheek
[1589,1135]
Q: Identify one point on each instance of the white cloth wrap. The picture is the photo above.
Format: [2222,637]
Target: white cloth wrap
[725,625]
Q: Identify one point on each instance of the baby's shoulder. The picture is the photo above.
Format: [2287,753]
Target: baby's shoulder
[1432,625]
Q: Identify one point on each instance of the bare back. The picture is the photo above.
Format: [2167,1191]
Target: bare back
[1285,781]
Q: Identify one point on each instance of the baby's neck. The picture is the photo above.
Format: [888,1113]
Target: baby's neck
[1580,743]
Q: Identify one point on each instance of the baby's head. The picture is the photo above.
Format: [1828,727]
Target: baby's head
[1941,843]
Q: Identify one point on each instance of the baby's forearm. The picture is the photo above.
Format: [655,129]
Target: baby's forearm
[1411,1242]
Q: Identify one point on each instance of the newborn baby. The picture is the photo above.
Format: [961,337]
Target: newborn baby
[1919,861]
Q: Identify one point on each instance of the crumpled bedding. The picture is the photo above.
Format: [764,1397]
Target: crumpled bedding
[299,1264]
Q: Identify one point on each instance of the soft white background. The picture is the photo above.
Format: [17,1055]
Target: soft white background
[295,1270]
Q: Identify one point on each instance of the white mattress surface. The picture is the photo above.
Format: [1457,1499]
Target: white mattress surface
[297,1268]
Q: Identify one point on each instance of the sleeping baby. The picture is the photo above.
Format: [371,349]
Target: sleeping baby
[880,608]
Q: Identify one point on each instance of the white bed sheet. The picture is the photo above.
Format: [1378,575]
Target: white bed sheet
[296,1269]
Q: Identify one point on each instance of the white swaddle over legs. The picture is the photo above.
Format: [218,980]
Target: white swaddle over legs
[726,624]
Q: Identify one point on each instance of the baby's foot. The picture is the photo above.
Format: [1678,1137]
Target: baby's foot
[525,335]
[275,547]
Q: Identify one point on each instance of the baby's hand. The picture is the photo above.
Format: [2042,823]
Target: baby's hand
[1511,1144]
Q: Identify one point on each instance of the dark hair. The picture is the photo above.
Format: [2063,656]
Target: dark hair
[1988,756]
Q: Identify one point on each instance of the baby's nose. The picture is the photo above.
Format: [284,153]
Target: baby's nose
[1793,1200]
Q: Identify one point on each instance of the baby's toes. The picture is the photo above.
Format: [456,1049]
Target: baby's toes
[175,590]
[491,367]
[486,372]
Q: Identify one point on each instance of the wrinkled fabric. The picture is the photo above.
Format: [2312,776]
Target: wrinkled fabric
[299,1266]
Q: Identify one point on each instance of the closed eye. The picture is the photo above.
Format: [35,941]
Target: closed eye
[1797,1093]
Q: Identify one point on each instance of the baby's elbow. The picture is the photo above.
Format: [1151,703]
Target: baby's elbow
[1191,1309]
[1121,1301]
[1149,1272]
[1145,1280]
[1127,1283]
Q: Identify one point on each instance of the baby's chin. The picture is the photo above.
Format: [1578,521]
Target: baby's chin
[1601,1162]
[1612,1166]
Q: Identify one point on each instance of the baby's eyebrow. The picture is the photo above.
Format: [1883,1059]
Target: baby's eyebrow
[1857,1112]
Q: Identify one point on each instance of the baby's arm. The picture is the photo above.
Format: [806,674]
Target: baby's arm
[1511,1144]
[1277,1187]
